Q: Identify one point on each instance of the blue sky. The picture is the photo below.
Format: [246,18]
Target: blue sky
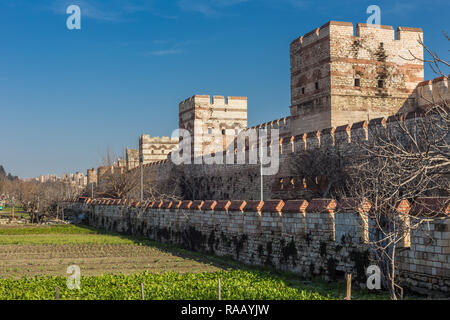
[65,95]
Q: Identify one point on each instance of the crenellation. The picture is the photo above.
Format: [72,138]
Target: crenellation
[310,37]
[377,32]
[433,92]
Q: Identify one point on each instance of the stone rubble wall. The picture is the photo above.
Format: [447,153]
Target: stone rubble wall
[320,238]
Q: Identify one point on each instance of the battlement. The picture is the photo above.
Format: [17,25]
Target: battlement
[146,138]
[343,136]
[283,125]
[434,91]
[152,149]
[214,101]
[340,29]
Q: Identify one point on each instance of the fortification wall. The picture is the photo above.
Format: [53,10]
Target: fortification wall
[242,181]
[432,92]
[320,238]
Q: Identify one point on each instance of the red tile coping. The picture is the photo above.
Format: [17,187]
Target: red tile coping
[273,206]
[222,205]
[166,205]
[158,205]
[441,78]
[237,205]
[360,124]
[403,207]
[295,206]
[253,206]
[197,205]
[209,205]
[431,207]
[186,204]
[321,206]
[352,204]
[345,127]
[176,205]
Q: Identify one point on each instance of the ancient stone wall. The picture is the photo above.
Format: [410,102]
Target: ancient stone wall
[320,238]
[242,181]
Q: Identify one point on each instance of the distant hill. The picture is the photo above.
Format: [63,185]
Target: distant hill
[4,176]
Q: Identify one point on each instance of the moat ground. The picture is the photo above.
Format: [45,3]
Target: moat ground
[34,261]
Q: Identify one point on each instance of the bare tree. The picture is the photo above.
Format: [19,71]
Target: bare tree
[118,183]
[408,159]
[318,167]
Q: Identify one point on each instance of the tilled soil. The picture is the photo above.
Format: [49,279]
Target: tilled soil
[17,261]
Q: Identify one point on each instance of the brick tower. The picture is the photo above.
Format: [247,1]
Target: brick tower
[206,119]
[338,77]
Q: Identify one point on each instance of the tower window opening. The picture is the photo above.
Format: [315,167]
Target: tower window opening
[380,84]
[357,82]
[317,85]
[303,90]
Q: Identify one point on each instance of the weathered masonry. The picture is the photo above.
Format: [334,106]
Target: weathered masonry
[320,238]
[340,74]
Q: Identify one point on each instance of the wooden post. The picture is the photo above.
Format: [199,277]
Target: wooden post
[219,290]
[349,286]
[142,292]
[57,293]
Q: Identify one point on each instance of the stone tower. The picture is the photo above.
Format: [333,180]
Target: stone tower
[212,124]
[132,158]
[338,77]
[152,149]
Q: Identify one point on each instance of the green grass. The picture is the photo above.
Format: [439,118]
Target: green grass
[59,235]
[236,284]
[63,229]
[43,239]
